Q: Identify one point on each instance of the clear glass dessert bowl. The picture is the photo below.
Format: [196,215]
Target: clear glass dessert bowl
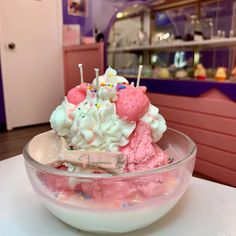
[116,204]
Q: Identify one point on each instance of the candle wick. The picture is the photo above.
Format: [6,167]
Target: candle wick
[139,75]
[81,73]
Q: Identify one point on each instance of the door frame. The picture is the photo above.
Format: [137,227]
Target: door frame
[3,46]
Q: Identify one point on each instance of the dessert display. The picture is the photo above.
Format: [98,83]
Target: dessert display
[190,72]
[172,69]
[161,72]
[109,157]
[200,72]
[164,73]
[210,73]
[155,72]
[221,74]
[233,73]
[181,74]
[146,71]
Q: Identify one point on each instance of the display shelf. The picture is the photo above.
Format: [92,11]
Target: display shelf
[213,43]
[188,88]
[212,54]
[231,80]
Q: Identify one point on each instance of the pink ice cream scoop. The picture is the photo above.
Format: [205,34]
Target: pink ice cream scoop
[78,94]
[132,103]
[149,187]
[141,153]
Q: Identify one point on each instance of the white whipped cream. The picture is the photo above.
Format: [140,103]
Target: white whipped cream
[156,122]
[99,127]
[94,124]
[60,120]
[108,82]
[107,93]
[111,77]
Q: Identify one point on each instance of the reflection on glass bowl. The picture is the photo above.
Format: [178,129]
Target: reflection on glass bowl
[116,204]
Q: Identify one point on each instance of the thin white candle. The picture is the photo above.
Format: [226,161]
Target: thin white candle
[81,73]
[139,75]
[97,80]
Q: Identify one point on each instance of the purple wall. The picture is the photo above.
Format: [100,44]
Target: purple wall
[99,15]
[85,26]
[68,19]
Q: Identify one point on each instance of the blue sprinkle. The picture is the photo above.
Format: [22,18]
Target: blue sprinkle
[122,87]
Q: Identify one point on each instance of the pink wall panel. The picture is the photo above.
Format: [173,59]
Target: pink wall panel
[91,56]
[219,157]
[216,107]
[212,139]
[217,173]
[210,121]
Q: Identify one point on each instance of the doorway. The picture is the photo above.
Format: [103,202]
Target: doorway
[32,63]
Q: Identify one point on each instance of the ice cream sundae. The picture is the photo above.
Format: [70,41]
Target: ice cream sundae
[102,161]
[113,117]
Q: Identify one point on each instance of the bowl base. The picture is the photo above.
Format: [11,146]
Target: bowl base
[116,221]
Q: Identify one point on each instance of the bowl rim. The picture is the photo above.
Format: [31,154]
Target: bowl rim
[161,169]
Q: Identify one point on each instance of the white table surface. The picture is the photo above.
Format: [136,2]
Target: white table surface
[206,209]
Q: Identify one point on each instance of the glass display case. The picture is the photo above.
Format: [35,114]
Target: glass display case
[188,52]
[181,40]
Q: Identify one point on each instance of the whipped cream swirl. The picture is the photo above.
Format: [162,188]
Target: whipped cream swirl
[156,122]
[97,127]
[61,119]
[111,77]
[94,125]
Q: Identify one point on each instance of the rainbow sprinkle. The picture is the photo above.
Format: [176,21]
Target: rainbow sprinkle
[98,105]
[89,87]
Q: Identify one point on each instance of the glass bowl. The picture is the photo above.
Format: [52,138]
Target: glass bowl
[116,204]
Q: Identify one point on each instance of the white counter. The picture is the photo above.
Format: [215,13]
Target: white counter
[206,209]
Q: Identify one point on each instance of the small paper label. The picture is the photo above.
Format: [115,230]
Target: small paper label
[104,160]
